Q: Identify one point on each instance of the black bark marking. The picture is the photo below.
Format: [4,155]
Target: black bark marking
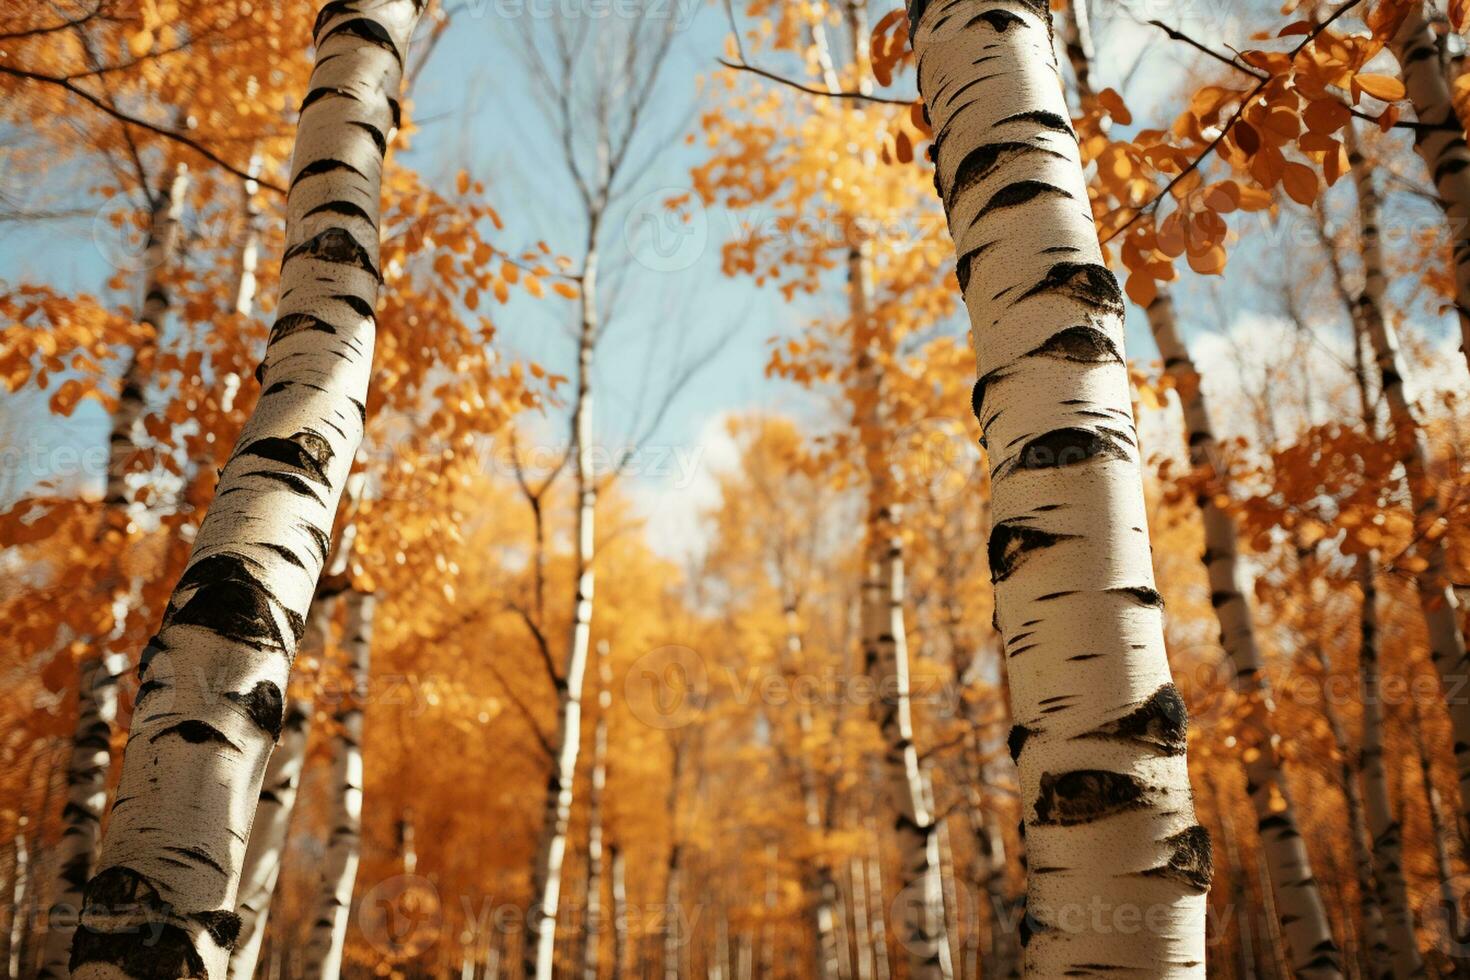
[222,925]
[345,208]
[982,161]
[336,8]
[294,323]
[998,20]
[1085,795]
[264,705]
[1088,283]
[229,600]
[305,451]
[157,948]
[376,134]
[1141,594]
[196,732]
[1012,545]
[319,167]
[1046,120]
[965,264]
[198,856]
[1161,723]
[1068,446]
[1016,740]
[1190,861]
[1083,344]
[370,31]
[335,245]
[1019,193]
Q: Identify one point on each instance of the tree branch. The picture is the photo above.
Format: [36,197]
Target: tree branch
[812,90]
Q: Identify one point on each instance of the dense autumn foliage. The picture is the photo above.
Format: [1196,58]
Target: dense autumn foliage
[731,788]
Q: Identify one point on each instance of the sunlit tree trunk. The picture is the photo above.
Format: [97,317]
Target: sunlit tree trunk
[273,809]
[1299,902]
[882,969]
[344,844]
[1436,596]
[546,880]
[96,680]
[1449,892]
[1388,844]
[1100,733]
[211,702]
[86,798]
[592,924]
[619,913]
[673,941]
[857,887]
[1442,149]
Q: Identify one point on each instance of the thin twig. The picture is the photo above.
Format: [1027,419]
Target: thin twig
[1229,125]
[811,90]
[132,120]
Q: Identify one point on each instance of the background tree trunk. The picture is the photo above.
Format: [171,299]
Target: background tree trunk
[344,845]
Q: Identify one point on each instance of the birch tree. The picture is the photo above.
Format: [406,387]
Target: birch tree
[1435,592]
[1440,143]
[211,702]
[1100,727]
[344,844]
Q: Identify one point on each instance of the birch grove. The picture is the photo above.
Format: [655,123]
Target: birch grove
[690,509]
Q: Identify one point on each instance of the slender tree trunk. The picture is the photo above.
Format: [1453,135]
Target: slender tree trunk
[1449,895]
[339,865]
[20,891]
[96,675]
[211,701]
[768,929]
[1388,845]
[1100,733]
[1443,150]
[1370,909]
[277,800]
[1436,596]
[820,883]
[674,871]
[862,932]
[1304,919]
[886,656]
[546,880]
[86,799]
[592,927]
[882,968]
[619,913]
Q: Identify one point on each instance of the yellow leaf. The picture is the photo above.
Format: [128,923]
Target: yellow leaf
[565,289]
[1383,87]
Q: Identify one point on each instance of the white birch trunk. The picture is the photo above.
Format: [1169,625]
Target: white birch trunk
[86,799]
[277,799]
[619,912]
[1371,926]
[1443,150]
[881,967]
[857,887]
[1388,844]
[20,889]
[97,676]
[886,657]
[546,880]
[1299,902]
[211,701]
[592,926]
[1436,596]
[344,844]
[1100,732]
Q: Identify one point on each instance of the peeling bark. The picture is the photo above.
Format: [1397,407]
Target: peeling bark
[1108,810]
[211,704]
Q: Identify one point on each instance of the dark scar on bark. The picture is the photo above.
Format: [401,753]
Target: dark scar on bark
[1190,861]
[1012,544]
[1085,795]
[264,706]
[1161,723]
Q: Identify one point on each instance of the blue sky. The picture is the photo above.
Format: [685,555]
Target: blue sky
[478,111]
